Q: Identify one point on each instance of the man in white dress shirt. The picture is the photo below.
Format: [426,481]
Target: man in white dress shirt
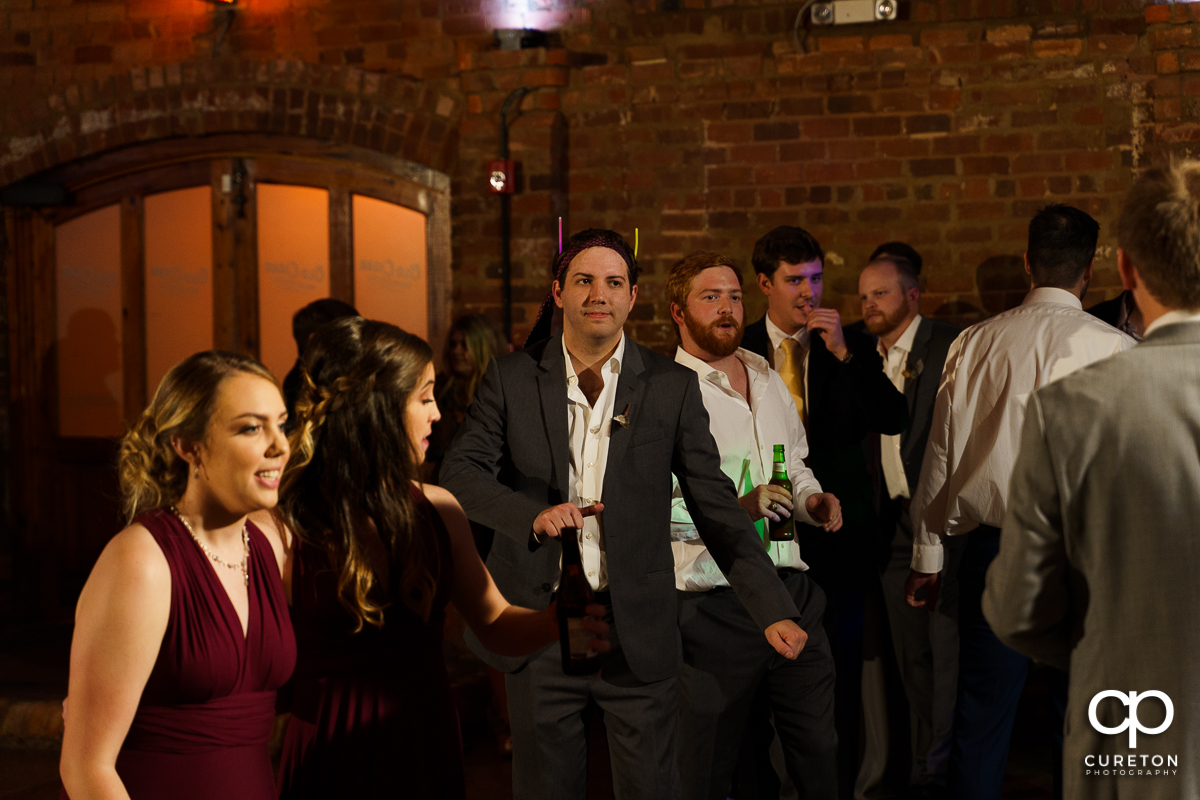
[1097,571]
[991,370]
[725,661]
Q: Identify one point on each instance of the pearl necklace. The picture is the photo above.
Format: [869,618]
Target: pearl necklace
[243,565]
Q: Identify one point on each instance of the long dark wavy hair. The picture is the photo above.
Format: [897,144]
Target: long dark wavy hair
[352,461]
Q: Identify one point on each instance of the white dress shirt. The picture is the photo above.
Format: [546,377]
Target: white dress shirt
[746,435]
[588,430]
[991,369]
[777,336]
[895,360]
[1172,318]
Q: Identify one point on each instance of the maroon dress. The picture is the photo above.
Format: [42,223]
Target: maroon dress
[372,714]
[206,714]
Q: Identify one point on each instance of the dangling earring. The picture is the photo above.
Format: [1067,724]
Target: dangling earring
[196,475]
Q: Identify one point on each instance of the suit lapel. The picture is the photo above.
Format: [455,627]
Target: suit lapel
[552,390]
[631,390]
[920,350]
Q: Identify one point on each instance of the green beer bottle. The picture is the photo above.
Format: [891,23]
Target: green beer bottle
[784,531]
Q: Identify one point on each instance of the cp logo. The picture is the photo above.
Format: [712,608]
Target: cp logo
[1131,722]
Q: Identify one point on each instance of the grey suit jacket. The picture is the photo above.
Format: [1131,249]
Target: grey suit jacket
[1099,563]
[510,461]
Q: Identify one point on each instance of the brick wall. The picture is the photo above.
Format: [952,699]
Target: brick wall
[697,121]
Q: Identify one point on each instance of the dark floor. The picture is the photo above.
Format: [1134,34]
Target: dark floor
[33,666]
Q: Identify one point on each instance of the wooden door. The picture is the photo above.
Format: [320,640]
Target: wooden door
[151,264]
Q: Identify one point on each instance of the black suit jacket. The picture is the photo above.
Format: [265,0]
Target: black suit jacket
[510,461]
[925,363]
[1109,310]
[845,403]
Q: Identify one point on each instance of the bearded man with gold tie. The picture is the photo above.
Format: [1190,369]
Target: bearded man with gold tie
[842,393]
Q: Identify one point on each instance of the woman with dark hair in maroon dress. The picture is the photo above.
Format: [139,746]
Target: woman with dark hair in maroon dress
[181,633]
[378,555]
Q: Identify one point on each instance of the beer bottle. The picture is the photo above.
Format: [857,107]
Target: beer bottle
[784,531]
[574,595]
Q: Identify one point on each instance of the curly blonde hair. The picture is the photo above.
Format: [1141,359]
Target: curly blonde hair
[152,475]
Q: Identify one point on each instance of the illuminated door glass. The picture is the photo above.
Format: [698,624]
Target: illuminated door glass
[179,292]
[90,381]
[293,265]
[389,264]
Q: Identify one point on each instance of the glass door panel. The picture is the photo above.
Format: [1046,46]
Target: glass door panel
[179,289]
[390,281]
[88,271]
[293,259]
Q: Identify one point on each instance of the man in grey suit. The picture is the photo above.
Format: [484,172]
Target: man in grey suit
[585,430]
[1098,562]
[913,349]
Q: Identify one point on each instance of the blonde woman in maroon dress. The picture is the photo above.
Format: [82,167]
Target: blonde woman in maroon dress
[182,633]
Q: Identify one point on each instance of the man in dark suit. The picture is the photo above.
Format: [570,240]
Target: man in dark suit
[913,349]
[836,378]
[584,431]
[1122,313]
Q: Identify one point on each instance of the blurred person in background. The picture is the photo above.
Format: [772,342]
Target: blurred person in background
[305,323]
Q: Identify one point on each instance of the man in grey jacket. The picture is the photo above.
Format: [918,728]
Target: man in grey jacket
[1099,557]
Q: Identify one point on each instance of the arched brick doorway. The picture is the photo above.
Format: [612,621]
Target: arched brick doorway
[229,126]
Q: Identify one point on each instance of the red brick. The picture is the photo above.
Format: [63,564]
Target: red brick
[974,211]
[1056,48]
[838,44]
[730,132]
[1032,186]
[829,172]
[939,38]
[779,173]
[1166,63]
[889,42]
[826,128]
[956,145]
[93,54]
[1158,13]
[731,175]
[1037,162]
[1086,161]
[878,170]
[985,165]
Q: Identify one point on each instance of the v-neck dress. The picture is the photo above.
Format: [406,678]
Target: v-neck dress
[207,711]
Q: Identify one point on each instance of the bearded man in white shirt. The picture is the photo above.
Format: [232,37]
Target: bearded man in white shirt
[750,410]
[991,370]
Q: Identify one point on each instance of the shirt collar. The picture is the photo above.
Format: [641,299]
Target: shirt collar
[777,335]
[613,365]
[1051,294]
[1173,318]
[755,363]
[905,342]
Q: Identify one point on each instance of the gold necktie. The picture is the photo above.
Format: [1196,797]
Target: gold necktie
[792,371]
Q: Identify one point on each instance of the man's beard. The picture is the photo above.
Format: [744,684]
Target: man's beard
[708,338]
[889,322]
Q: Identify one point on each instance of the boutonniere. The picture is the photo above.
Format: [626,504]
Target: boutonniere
[622,419]
[913,369]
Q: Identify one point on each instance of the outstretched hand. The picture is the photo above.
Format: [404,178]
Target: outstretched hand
[825,509]
[566,515]
[787,638]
